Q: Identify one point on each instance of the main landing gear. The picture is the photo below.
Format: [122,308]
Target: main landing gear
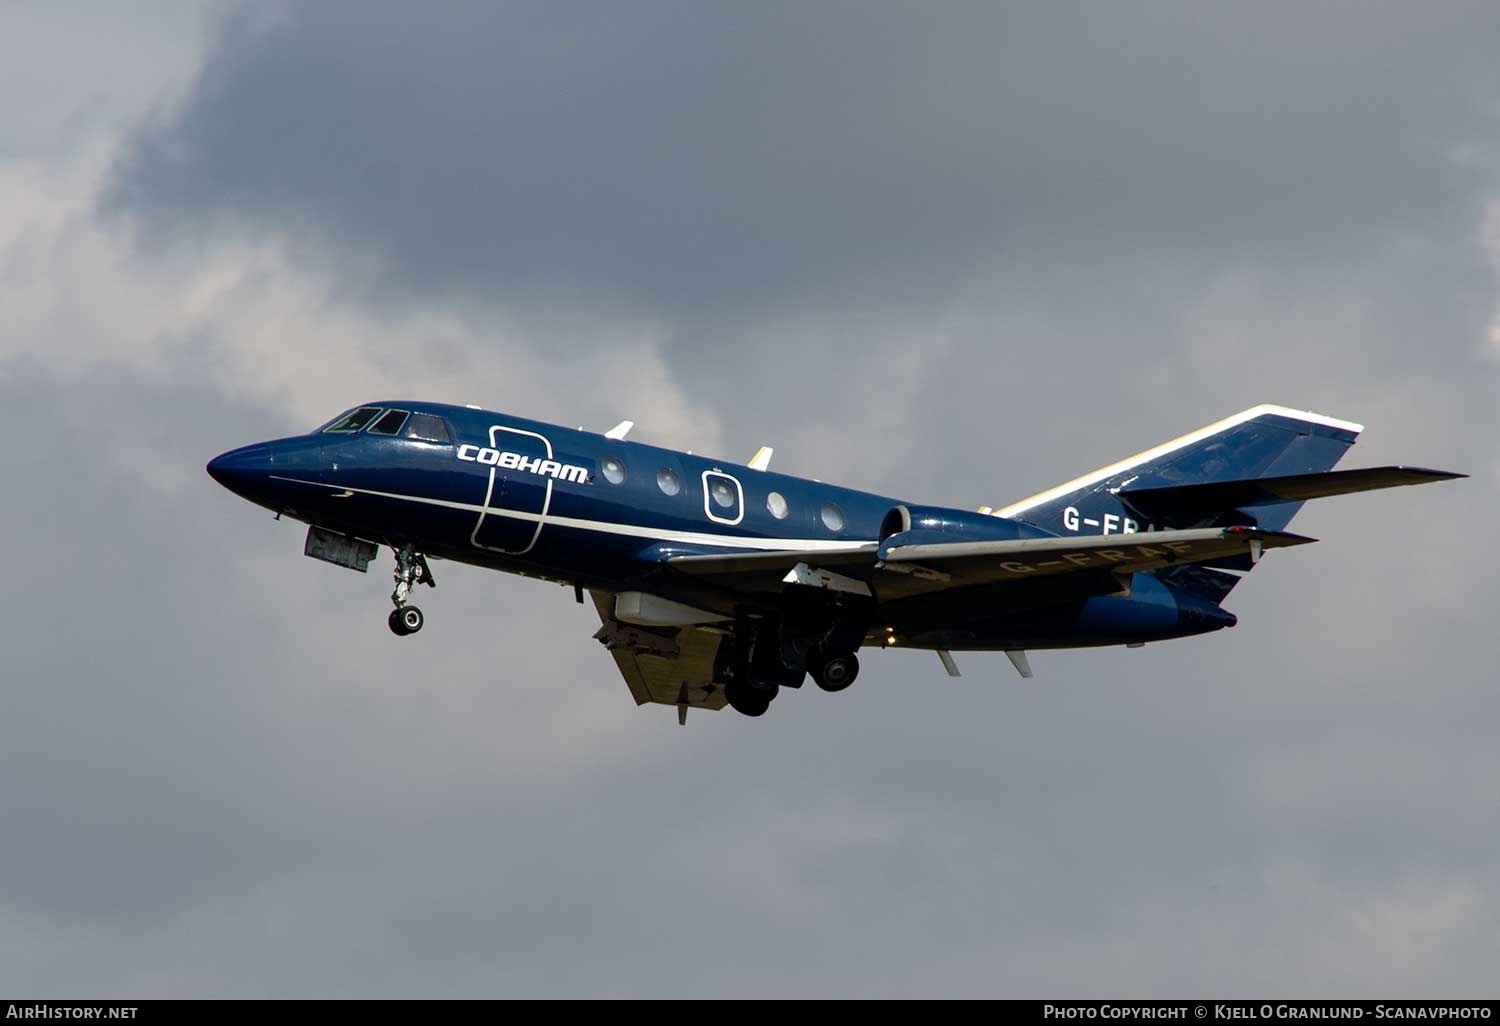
[750,692]
[833,672]
[759,661]
[411,570]
[749,698]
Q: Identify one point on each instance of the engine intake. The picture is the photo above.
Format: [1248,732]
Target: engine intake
[927,525]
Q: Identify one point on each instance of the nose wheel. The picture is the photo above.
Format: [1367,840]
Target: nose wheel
[411,570]
[404,621]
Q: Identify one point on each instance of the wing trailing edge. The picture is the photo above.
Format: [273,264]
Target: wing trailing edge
[957,564]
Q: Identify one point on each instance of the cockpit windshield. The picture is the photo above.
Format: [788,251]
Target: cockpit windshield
[352,421]
[378,420]
[389,423]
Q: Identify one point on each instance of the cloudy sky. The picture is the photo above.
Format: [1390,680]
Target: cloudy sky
[959,251]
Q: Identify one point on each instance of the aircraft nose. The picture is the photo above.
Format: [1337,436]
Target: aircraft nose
[241,470]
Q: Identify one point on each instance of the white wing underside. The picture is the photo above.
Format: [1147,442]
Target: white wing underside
[670,666]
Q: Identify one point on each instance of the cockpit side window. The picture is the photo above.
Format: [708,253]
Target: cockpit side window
[389,423]
[353,421]
[424,427]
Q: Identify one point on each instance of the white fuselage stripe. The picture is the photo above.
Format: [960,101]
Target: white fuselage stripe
[606,527]
[1157,452]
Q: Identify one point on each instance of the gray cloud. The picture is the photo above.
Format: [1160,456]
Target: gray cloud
[221,776]
[706,160]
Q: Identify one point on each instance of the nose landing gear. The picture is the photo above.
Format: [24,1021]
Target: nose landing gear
[407,620]
[411,570]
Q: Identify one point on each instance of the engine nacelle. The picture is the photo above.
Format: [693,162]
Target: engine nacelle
[930,525]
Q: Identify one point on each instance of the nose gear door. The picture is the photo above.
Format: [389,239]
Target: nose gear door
[516,496]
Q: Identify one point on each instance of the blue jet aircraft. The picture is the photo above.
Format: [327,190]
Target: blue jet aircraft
[722,583]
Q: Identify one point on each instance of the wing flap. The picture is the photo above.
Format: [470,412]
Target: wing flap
[665,666]
[671,681]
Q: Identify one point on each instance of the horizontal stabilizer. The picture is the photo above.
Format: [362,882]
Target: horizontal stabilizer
[1178,505]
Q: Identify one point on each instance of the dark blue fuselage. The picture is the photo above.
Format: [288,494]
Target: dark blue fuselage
[605,514]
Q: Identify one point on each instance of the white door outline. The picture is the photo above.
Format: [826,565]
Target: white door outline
[513,514]
[708,506]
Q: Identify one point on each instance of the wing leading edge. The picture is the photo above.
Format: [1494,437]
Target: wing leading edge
[904,570]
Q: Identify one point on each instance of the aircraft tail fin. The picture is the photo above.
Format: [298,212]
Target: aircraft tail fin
[1253,469]
[1265,441]
[1205,478]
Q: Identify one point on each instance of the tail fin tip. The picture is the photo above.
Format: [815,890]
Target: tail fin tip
[1309,416]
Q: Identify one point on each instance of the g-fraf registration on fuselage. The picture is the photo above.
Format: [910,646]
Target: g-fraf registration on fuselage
[722,583]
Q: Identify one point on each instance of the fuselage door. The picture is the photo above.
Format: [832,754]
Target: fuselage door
[517,491]
[723,498]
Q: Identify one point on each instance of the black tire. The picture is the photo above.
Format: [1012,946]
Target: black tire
[748,701]
[412,619]
[406,620]
[836,672]
[761,686]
